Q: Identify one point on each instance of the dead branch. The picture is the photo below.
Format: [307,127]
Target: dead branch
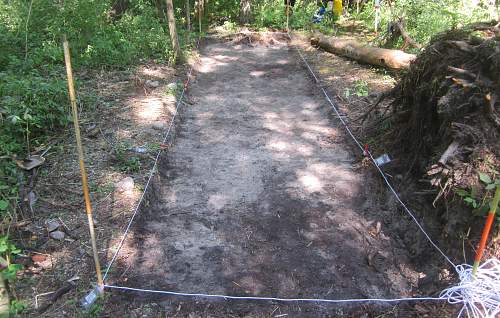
[461,71]
[397,28]
[67,286]
[380,98]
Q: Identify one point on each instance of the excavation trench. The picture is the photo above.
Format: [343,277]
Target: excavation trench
[260,194]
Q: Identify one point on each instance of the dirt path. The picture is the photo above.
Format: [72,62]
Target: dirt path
[260,195]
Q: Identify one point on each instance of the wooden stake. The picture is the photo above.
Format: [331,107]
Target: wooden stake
[86,194]
[486,231]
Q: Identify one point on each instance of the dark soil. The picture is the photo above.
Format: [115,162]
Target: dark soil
[260,194]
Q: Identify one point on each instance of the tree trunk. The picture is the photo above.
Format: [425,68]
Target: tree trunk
[392,59]
[188,16]
[118,8]
[245,11]
[199,11]
[173,30]
[396,29]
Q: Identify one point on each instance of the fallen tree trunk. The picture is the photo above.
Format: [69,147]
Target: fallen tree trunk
[392,59]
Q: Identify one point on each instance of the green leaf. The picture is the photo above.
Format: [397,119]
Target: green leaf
[3,205]
[491,186]
[472,202]
[9,273]
[14,250]
[481,211]
[485,178]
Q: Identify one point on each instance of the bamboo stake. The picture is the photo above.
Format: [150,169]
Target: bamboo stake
[486,231]
[88,207]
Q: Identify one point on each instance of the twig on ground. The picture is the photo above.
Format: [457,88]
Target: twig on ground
[67,286]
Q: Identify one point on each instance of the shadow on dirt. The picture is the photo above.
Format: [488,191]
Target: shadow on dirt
[259,196]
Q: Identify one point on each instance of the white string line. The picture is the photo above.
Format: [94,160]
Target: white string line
[371,158]
[316,300]
[151,173]
[409,212]
[257,298]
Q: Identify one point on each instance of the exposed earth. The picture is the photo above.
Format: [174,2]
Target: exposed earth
[261,194]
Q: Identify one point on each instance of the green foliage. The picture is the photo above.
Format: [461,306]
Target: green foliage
[10,272]
[479,199]
[130,38]
[360,89]
[7,251]
[32,101]
[272,14]
[7,248]
[229,26]
[424,19]
[132,164]
[33,89]
[17,307]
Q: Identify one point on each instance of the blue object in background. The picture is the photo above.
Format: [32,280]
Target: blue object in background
[318,17]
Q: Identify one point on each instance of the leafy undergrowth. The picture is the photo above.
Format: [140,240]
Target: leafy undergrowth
[33,89]
[35,119]
[423,19]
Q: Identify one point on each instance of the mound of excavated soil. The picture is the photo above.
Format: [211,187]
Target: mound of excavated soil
[447,116]
[450,93]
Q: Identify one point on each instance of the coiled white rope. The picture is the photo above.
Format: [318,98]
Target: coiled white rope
[479,294]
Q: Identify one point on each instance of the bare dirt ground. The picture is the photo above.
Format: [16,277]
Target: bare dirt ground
[260,194]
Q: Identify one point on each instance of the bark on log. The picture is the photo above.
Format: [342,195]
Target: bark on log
[392,59]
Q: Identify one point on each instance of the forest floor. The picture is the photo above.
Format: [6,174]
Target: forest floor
[261,193]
